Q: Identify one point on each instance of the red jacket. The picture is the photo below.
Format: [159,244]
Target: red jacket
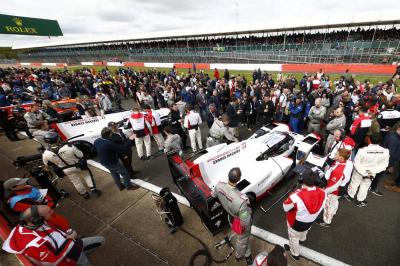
[45,245]
[303,206]
[336,175]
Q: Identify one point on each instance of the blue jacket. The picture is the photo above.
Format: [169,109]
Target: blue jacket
[392,142]
[109,151]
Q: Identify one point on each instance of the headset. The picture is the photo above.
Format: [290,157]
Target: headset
[35,219]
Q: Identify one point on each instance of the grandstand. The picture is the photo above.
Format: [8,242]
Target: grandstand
[367,42]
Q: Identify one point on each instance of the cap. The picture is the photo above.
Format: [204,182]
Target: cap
[12,182]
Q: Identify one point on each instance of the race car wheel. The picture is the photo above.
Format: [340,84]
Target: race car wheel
[252,198]
[87,148]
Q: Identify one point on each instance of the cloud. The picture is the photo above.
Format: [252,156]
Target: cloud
[103,19]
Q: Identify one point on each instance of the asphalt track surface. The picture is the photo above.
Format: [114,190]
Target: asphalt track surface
[357,236]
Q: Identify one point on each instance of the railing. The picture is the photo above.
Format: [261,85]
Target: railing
[350,52]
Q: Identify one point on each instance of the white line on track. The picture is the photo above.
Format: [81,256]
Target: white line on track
[256,231]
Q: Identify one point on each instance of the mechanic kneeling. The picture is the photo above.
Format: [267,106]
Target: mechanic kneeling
[219,132]
[237,206]
[64,160]
[45,244]
[303,207]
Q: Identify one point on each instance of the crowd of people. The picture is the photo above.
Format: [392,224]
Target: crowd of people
[338,37]
[359,124]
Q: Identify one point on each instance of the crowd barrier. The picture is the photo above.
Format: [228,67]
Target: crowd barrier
[302,68]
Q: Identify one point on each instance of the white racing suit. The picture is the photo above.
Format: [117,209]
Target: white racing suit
[192,122]
[70,155]
[335,176]
[142,135]
[218,132]
[368,162]
[153,122]
[303,206]
[237,205]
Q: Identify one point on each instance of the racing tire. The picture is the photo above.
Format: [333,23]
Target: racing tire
[86,148]
[252,198]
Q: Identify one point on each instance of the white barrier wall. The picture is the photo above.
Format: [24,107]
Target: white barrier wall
[162,65]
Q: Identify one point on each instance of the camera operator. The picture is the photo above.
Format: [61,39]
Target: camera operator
[303,207]
[175,121]
[45,244]
[219,132]
[335,175]
[237,206]
[120,138]
[68,160]
[368,162]
[21,196]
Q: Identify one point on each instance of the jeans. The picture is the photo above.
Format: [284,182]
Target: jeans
[116,170]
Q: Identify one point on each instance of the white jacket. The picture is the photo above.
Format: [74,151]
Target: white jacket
[373,158]
[192,119]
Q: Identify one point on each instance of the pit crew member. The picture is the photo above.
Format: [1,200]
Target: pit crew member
[237,206]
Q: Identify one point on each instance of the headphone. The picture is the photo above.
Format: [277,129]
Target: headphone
[35,219]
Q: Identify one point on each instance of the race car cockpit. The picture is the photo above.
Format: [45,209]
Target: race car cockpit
[277,144]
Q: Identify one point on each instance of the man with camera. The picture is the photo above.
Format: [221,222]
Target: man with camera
[303,207]
[45,244]
[68,160]
[237,205]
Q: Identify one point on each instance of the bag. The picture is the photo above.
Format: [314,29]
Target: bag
[237,226]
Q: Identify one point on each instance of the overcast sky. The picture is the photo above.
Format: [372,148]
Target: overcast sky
[108,19]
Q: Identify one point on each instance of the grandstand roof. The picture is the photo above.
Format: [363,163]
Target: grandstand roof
[211,32]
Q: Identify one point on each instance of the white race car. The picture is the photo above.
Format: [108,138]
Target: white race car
[264,159]
[83,132]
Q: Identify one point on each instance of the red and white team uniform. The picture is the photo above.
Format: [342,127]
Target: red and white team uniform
[335,175]
[153,121]
[43,246]
[142,133]
[192,122]
[302,207]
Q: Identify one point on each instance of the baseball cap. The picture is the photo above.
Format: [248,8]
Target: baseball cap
[12,182]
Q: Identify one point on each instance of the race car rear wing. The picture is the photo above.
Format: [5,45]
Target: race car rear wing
[187,177]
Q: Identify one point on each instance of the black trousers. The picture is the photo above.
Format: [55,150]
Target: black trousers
[375,182]
[126,160]
[182,134]
[10,131]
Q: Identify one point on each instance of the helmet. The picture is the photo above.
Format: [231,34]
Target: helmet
[51,137]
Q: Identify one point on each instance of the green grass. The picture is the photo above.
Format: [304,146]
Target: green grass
[374,79]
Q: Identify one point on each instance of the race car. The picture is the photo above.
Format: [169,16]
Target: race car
[85,131]
[264,159]
[66,108]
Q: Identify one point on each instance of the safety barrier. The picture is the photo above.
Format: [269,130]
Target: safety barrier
[327,68]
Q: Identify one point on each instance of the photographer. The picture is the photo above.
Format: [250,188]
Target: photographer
[45,244]
[68,160]
[303,207]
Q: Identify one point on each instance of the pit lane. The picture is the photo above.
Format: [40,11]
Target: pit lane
[357,236]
